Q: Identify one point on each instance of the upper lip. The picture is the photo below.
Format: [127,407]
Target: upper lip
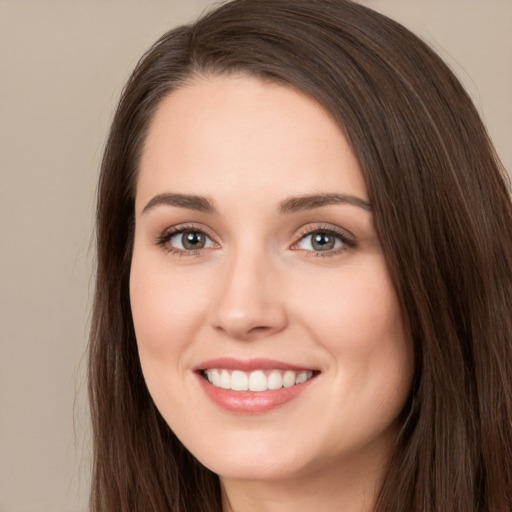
[248,365]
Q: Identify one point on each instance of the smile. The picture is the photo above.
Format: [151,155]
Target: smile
[257,380]
[253,386]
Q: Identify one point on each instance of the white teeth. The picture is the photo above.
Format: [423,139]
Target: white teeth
[214,377]
[275,380]
[225,380]
[239,381]
[288,379]
[258,380]
[301,377]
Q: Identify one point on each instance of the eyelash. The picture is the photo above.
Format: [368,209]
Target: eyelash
[348,243]
[165,237]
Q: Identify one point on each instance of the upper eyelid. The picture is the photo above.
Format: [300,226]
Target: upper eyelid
[180,228]
[304,231]
[339,234]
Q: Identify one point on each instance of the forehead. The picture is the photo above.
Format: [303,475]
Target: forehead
[222,134]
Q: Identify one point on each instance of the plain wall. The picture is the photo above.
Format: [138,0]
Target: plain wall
[62,67]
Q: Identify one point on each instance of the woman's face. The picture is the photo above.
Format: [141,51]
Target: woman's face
[268,329]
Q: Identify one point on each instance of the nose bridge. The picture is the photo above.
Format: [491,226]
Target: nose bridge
[248,304]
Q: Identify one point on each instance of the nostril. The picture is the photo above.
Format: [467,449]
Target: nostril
[260,328]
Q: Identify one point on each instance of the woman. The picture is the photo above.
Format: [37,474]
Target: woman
[304,275]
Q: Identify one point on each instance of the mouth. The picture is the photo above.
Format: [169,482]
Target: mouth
[253,386]
[258,380]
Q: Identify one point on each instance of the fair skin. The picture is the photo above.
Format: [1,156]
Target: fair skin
[243,272]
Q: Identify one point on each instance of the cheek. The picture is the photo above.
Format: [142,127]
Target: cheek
[356,318]
[165,305]
[355,310]
[166,311]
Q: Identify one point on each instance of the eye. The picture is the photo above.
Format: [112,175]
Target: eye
[186,240]
[189,240]
[323,240]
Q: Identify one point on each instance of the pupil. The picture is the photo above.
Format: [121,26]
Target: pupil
[193,240]
[323,242]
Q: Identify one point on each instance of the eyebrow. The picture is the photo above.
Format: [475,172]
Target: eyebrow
[291,205]
[309,202]
[188,201]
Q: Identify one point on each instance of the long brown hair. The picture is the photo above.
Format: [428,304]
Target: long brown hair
[443,215]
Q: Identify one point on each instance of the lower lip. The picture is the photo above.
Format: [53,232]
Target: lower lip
[252,402]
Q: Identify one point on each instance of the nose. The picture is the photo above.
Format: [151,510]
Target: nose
[249,305]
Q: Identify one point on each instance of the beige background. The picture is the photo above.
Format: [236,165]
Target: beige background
[62,66]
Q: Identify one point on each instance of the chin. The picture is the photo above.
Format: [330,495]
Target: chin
[256,469]
[252,459]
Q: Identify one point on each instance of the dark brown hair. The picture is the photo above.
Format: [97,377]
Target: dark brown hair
[443,216]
